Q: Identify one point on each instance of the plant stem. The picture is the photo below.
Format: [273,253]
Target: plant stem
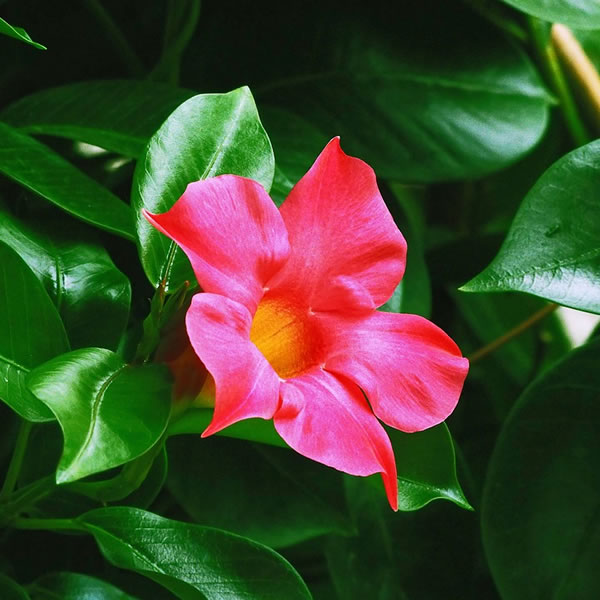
[16,460]
[119,41]
[579,66]
[46,524]
[549,62]
[513,333]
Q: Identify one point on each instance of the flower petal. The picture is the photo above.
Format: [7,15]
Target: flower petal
[232,233]
[345,247]
[246,384]
[410,370]
[326,418]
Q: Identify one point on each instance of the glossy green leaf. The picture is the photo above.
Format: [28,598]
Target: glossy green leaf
[74,586]
[38,168]
[90,293]
[207,135]
[32,333]
[19,34]
[191,561]
[426,467]
[271,495]
[583,14]
[540,508]
[419,98]
[109,412]
[553,247]
[103,113]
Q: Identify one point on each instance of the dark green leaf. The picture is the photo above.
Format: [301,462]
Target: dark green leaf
[74,586]
[271,495]
[423,91]
[11,590]
[540,508]
[553,247]
[196,420]
[426,467]
[413,294]
[103,113]
[19,34]
[90,293]
[207,135]
[296,144]
[193,562]
[109,412]
[145,495]
[32,333]
[584,14]
[40,169]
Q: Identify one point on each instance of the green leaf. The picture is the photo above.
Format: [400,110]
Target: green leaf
[74,586]
[553,247]
[583,14]
[19,34]
[296,143]
[109,412]
[196,420]
[413,294]
[418,98]
[41,170]
[191,561]
[32,333]
[208,135]
[90,293]
[11,590]
[271,495]
[540,507]
[426,466]
[103,113]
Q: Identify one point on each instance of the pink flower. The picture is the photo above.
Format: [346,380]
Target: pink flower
[287,325]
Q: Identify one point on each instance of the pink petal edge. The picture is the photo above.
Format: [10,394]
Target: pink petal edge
[345,247]
[326,418]
[246,384]
[232,233]
[411,371]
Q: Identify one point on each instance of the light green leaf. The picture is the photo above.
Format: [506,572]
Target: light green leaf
[583,14]
[32,333]
[19,34]
[41,170]
[191,561]
[109,412]
[74,586]
[207,135]
[553,247]
[540,507]
[90,293]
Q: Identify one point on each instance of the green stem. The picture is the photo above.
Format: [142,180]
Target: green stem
[555,76]
[14,468]
[119,41]
[513,333]
[46,524]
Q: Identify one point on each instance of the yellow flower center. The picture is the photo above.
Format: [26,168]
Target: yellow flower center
[286,335]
